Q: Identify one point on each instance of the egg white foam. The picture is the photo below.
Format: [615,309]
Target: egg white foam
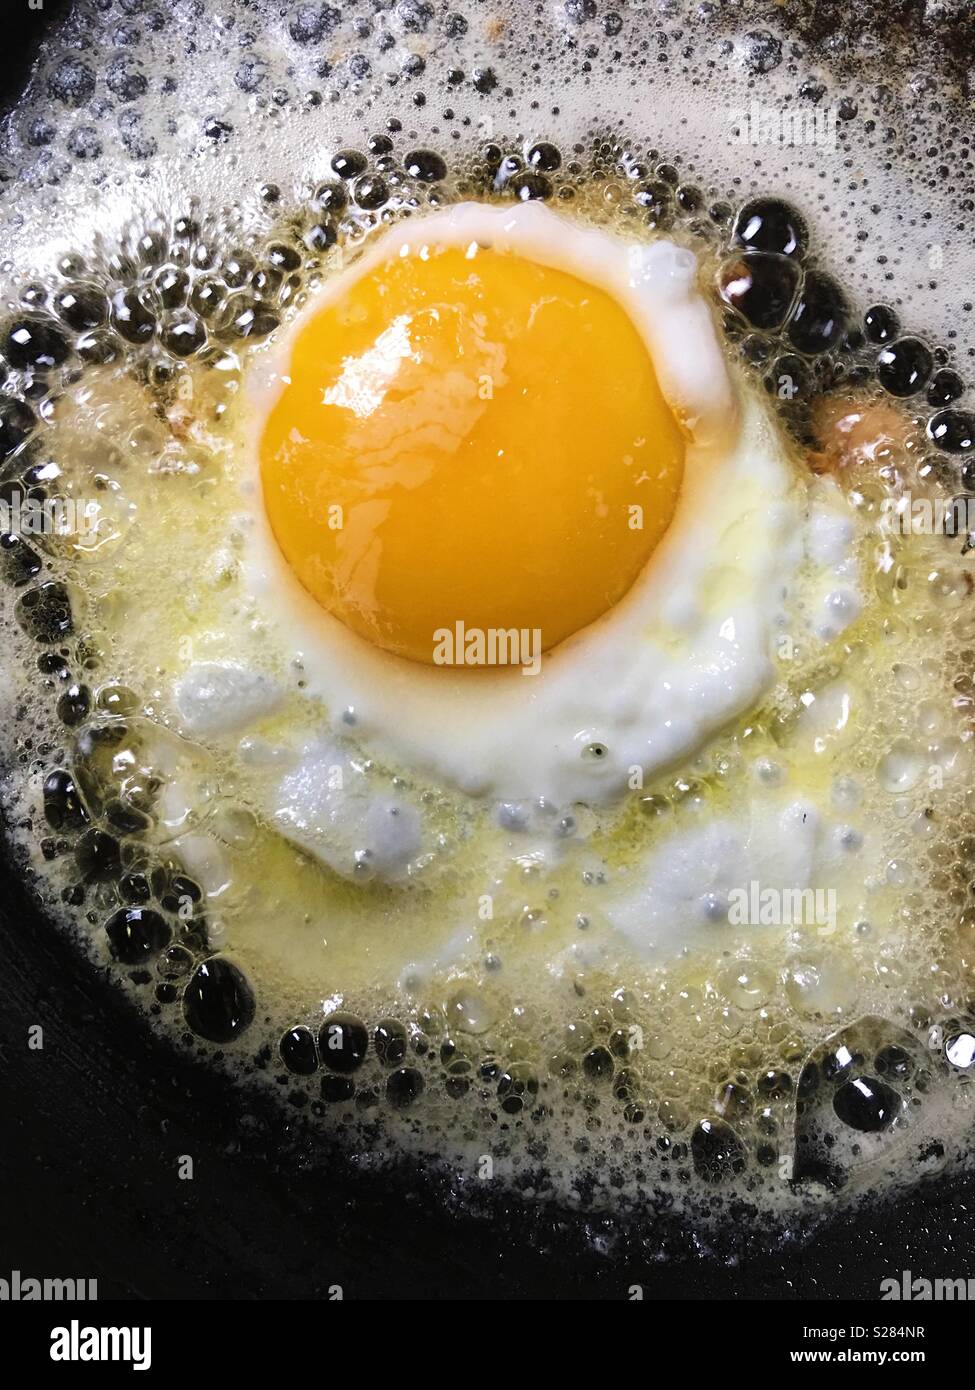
[679,898]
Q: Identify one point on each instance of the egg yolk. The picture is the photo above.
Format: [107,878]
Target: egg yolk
[466,436]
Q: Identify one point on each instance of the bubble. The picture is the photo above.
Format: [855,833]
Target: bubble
[19,563]
[953,431]
[404,1086]
[131,316]
[184,335]
[218,1003]
[343,1042]
[34,343]
[337,1090]
[74,705]
[426,166]
[760,287]
[389,1041]
[217,130]
[251,72]
[370,191]
[298,1051]
[348,164]
[819,318]
[761,51]
[529,187]
[84,143]
[866,1104]
[960,1050]
[71,82]
[544,157]
[769,225]
[125,80]
[945,386]
[136,934]
[484,80]
[98,856]
[64,807]
[517,1087]
[82,307]
[901,767]
[904,366]
[44,612]
[469,1011]
[717,1152]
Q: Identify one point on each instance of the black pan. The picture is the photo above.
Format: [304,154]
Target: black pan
[95,1123]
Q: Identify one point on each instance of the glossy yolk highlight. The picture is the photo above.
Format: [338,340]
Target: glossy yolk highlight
[468,436]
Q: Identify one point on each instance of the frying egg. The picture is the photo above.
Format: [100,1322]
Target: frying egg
[463,662]
[497,421]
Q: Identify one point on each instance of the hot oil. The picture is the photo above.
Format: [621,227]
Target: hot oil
[608,1079]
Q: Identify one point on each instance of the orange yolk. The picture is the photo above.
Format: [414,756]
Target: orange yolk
[468,436]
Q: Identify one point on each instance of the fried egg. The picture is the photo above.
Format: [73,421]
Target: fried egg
[396,477]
